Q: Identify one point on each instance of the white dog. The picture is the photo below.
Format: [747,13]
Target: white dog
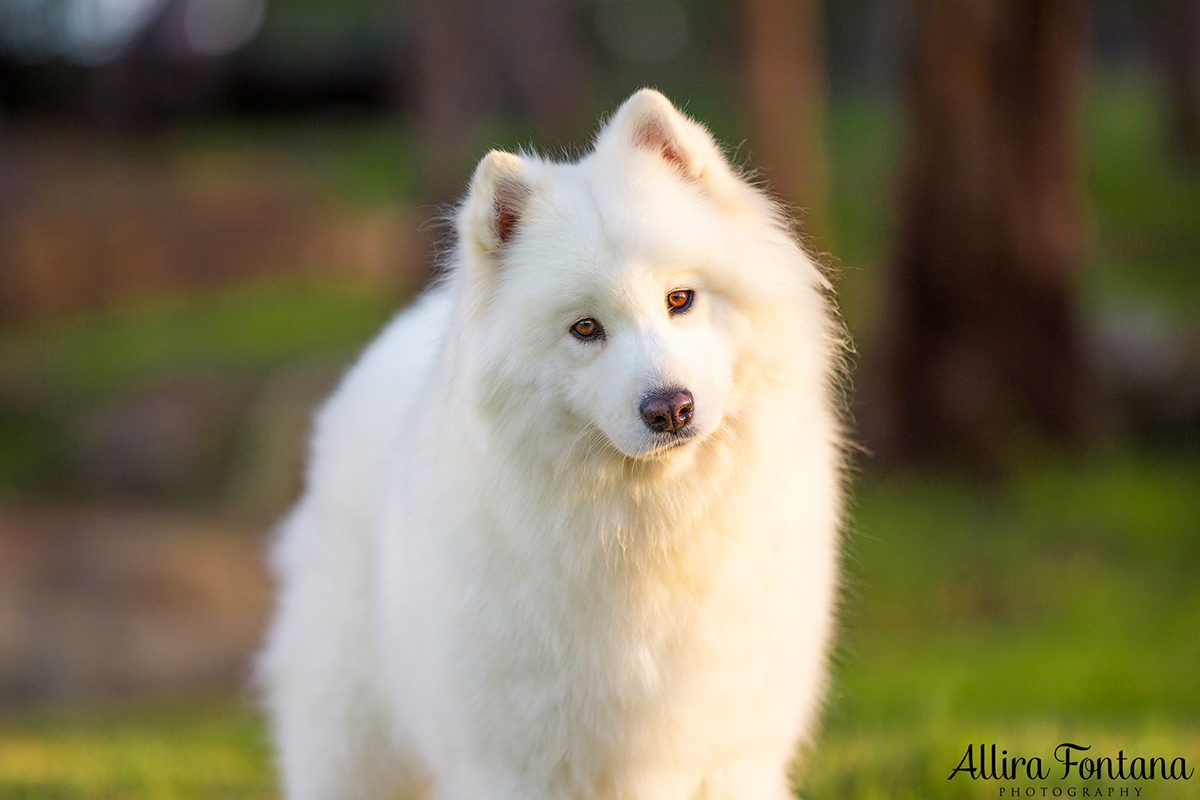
[570,528]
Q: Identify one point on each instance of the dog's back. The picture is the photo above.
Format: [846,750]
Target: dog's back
[320,667]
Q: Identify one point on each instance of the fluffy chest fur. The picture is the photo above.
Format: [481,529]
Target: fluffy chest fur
[629,613]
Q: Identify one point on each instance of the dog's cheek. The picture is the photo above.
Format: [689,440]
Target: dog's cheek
[575,385]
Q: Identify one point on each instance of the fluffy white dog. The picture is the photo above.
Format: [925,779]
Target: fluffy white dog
[570,528]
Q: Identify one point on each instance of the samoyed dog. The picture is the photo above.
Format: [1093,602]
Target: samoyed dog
[570,527]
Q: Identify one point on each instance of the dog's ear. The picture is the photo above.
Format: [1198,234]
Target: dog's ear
[496,202]
[648,121]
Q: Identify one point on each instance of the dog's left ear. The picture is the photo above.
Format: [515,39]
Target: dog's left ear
[647,121]
[491,215]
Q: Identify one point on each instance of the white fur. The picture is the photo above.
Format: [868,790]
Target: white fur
[499,583]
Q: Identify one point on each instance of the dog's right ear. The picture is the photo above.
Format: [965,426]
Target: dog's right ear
[496,202]
[647,121]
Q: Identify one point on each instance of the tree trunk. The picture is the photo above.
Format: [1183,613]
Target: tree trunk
[480,58]
[978,348]
[786,88]
[1181,38]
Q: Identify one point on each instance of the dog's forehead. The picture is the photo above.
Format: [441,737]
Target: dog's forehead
[614,216]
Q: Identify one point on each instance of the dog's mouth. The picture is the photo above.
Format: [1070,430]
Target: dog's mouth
[659,447]
[665,443]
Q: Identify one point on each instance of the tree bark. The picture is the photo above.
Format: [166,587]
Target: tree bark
[480,58]
[979,348]
[786,89]
[1181,37]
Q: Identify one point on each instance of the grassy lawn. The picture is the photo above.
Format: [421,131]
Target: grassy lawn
[234,330]
[171,750]
[1061,606]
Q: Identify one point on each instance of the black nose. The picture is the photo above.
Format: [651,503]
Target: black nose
[667,412]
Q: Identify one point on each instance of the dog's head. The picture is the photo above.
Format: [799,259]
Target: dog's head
[627,293]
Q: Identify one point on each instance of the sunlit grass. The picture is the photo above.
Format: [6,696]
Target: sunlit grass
[160,751]
[1060,606]
[915,762]
[235,329]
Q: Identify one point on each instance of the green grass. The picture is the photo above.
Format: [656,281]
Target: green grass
[1060,606]
[369,162]
[1146,205]
[237,329]
[164,751]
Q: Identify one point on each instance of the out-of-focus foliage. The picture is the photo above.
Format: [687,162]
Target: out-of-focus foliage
[245,330]
[1145,204]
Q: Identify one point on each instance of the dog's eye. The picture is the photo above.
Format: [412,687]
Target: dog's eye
[680,301]
[587,329]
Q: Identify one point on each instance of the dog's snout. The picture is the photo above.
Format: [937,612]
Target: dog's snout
[668,412]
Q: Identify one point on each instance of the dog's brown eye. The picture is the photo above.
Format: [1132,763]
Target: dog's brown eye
[680,301]
[587,329]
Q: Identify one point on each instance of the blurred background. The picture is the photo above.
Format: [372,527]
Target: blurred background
[207,207]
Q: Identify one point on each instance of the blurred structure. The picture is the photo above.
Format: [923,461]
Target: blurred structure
[86,226]
[94,602]
[787,86]
[980,344]
[483,58]
[130,65]
[1180,33]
